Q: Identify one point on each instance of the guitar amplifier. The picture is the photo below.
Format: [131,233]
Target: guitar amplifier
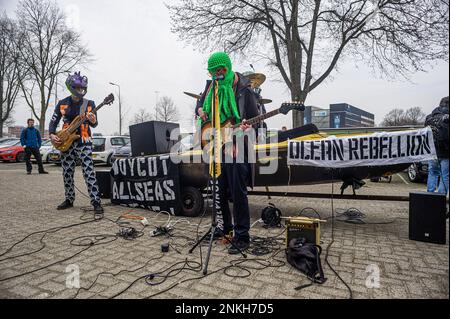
[151,138]
[104,181]
[427,217]
[308,228]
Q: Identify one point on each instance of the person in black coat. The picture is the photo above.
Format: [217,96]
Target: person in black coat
[438,169]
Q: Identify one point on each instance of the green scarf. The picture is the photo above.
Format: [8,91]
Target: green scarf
[227,100]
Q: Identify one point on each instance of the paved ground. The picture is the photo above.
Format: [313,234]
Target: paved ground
[363,255]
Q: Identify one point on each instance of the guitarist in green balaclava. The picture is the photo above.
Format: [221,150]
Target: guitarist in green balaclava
[238,102]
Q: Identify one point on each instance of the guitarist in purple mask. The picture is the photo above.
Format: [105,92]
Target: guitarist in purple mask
[236,101]
[68,109]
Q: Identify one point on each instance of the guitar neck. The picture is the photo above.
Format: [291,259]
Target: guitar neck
[98,107]
[260,118]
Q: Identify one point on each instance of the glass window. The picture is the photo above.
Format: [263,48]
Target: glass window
[117,141]
[98,141]
[10,143]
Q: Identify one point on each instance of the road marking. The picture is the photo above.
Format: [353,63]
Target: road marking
[403,179]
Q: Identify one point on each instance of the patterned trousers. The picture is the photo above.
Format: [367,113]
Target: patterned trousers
[68,161]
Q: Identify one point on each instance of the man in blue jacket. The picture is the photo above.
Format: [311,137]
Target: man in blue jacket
[31,142]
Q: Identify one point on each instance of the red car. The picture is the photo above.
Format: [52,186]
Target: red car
[12,151]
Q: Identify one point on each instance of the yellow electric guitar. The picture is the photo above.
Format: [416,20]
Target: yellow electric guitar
[229,126]
[69,135]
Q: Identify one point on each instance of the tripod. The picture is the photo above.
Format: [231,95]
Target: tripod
[214,168]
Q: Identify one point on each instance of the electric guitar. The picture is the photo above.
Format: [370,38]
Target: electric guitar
[68,135]
[230,126]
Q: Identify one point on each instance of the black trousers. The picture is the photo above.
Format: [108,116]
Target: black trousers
[233,183]
[37,156]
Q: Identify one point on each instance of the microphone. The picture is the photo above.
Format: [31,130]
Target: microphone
[218,77]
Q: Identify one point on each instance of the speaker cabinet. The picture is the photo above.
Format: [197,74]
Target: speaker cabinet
[427,217]
[104,181]
[151,138]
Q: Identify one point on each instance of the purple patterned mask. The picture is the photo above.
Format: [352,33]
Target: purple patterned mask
[77,84]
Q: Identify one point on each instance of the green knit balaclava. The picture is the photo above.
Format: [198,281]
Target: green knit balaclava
[227,100]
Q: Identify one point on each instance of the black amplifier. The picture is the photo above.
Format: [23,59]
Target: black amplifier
[427,217]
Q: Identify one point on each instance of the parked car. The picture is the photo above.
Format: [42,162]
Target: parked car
[103,147]
[12,151]
[122,152]
[45,149]
[418,172]
[54,156]
[5,140]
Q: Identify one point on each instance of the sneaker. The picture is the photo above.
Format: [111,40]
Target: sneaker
[98,209]
[242,245]
[28,173]
[43,172]
[64,205]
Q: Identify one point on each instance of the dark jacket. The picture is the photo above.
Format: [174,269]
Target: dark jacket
[438,121]
[30,137]
[67,109]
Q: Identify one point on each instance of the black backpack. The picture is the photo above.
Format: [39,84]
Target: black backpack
[305,257]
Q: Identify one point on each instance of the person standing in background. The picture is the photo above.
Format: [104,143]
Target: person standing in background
[438,169]
[30,138]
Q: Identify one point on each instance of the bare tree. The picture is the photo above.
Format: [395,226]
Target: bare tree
[142,115]
[166,110]
[49,48]
[415,116]
[395,117]
[305,39]
[9,70]
[399,117]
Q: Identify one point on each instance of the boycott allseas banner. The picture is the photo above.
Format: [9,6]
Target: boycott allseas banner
[377,149]
[151,182]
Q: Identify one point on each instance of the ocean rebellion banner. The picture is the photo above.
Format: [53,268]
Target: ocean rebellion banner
[150,182]
[384,148]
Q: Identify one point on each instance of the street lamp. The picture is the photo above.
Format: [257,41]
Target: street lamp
[120,109]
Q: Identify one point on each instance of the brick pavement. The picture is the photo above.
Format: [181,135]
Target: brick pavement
[407,269]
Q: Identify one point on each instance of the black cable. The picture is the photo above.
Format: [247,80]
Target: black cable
[114,275]
[332,238]
[97,241]
[82,193]
[310,209]
[260,246]
[233,264]
[44,267]
[355,216]
[151,276]
[46,232]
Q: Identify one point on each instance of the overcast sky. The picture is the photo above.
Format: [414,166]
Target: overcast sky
[133,47]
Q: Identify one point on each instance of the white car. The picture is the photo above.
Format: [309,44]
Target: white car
[45,149]
[104,146]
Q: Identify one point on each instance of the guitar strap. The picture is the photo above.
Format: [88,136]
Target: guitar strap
[215,156]
[83,107]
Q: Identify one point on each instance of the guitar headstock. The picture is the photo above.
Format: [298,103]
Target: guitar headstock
[289,106]
[108,100]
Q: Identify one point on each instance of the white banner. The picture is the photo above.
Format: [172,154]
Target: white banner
[378,149]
